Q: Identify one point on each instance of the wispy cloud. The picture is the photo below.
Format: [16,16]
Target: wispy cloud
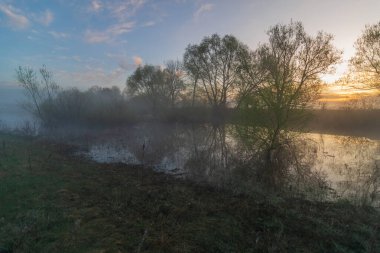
[118,14]
[96,5]
[203,8]
[123,10]
[15,17]
[118,9]
[45,18]
[59,35]
[149,23]
[120,28]
[96,36]
[109,34]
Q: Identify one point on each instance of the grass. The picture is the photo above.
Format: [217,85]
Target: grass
[51,201]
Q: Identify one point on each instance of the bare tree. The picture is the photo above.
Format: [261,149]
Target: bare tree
[215,65]
[366,60]
[251,77]
[290,65]
[39,91]
[173,82]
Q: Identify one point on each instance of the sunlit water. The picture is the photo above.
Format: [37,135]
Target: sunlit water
[350,166]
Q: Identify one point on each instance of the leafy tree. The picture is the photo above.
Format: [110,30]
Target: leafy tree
[160,87]
[366,60]
[215,64]
[146,81]
[290,65]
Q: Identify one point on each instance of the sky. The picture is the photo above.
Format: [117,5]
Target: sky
[99,42]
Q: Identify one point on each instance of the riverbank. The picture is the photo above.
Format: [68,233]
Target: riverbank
[52,201]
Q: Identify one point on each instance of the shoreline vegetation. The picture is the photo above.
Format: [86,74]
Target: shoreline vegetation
[52,201]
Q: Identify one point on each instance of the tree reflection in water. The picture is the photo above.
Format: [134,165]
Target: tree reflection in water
[239,158]
[354,167]
[211,158]
[288,167]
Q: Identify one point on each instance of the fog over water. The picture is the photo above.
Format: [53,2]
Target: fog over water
[12,113]
[350,165]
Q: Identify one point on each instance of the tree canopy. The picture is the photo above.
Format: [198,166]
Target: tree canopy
[216,63]
[160,87]
[290,65]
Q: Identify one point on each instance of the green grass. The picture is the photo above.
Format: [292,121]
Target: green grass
[51,201]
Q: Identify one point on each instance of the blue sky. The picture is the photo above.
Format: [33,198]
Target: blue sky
[99,42]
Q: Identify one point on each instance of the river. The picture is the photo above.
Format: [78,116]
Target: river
[319,166]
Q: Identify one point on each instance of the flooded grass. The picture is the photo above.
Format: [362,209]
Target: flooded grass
[51,201]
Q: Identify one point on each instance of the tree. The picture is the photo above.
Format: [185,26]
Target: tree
[146,82]
[251,77]
[366,60]
[105,106]
[290,65]
[173,81]
[40,91]
[215,64]
[160,87]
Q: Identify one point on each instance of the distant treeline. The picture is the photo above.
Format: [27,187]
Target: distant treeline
[99,106]
[111,106]
[96,106]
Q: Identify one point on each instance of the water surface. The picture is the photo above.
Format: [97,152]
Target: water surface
[348,167]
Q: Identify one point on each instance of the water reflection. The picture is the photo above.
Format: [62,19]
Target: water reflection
[351,165]
[316,166]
